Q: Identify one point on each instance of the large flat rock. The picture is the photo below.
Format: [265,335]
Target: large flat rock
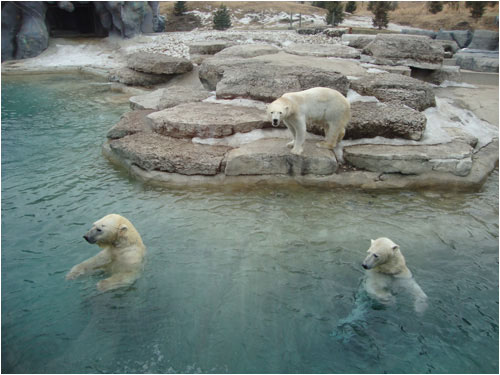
[389,120]
[158,63]
[248,50]
[323,50]
[389,87]
[402,49]
[168,97]
[207,120]
[453,157]
[133,77]
[131,122]
[154,152]
[272,157]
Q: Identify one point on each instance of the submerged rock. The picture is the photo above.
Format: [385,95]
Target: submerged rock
[151,151]
[271,156]
[388,87]
[207,120]
[135,78]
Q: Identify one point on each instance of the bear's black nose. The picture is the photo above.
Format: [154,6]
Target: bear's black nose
[275,122]
[364,266]
[86,238]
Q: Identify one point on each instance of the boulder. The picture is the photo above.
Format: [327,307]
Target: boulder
[450,47]
[478,61]
[446,73]
[389,120]
[129,18]
[429,33]
[151,151]
[266,83]
[388,87]
[130,123]
[335,32]
[271,156]
[359,41]
[212,70]
[168,97]
[484,40]
[207,120]
[410,50]
[209,47]
[11,18]
[323,50]
[248,50]
[454,157]
[135,78]
[157,63]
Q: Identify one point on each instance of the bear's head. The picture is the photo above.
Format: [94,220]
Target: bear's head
[111,229]
[381,251]
[277,111]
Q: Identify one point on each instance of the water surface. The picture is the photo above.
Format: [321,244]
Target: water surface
[240,280]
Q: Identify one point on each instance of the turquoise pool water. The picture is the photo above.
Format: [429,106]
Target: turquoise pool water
[239,280]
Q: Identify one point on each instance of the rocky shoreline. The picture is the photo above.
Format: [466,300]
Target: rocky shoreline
[202,119]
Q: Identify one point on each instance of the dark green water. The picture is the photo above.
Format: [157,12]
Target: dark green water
[253,280]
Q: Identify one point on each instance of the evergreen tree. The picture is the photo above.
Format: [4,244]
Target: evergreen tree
[335,13]
[351,7]
[179,8]
[380,10]
[434,6]
[476,8]
[222,19]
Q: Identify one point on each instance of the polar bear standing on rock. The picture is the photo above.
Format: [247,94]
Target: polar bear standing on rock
[319,104]
[122,253]
[386,271]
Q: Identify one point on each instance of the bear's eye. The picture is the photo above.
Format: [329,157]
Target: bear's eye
[375,255]
[99,229]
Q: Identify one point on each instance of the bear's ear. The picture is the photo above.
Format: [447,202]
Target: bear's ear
[122,228]
[395,247]
[372,241]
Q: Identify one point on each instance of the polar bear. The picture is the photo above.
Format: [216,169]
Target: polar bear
[122,253]
[319,105]
[387,271]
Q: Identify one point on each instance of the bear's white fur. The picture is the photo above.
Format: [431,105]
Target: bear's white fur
[122,253]
[387,271]
[319,105]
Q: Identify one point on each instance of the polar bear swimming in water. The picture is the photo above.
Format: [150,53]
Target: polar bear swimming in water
[319,104]
[386,271]
[122,253]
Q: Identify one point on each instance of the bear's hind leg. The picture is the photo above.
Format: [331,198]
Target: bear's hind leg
[118,280]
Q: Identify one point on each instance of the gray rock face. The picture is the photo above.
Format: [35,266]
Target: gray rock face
[33,37]
[11,16]
[389,120]
[484,40]
[129,18]
[478,61]
[454,157]
[411,50]
[135,78]
[151,152]
[207,120]
[130,123]
[248,50]
[167,98]
[461,37]
[266,83]
[156,63]
[323,50]
[272,156]
[431,34]
[389,87]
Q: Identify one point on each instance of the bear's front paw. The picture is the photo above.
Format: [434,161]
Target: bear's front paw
[325,145]
[74,273]
[103,286]
[420,306]
[290,144]
[296,151]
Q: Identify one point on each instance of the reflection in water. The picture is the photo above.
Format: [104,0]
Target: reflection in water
[238,279]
